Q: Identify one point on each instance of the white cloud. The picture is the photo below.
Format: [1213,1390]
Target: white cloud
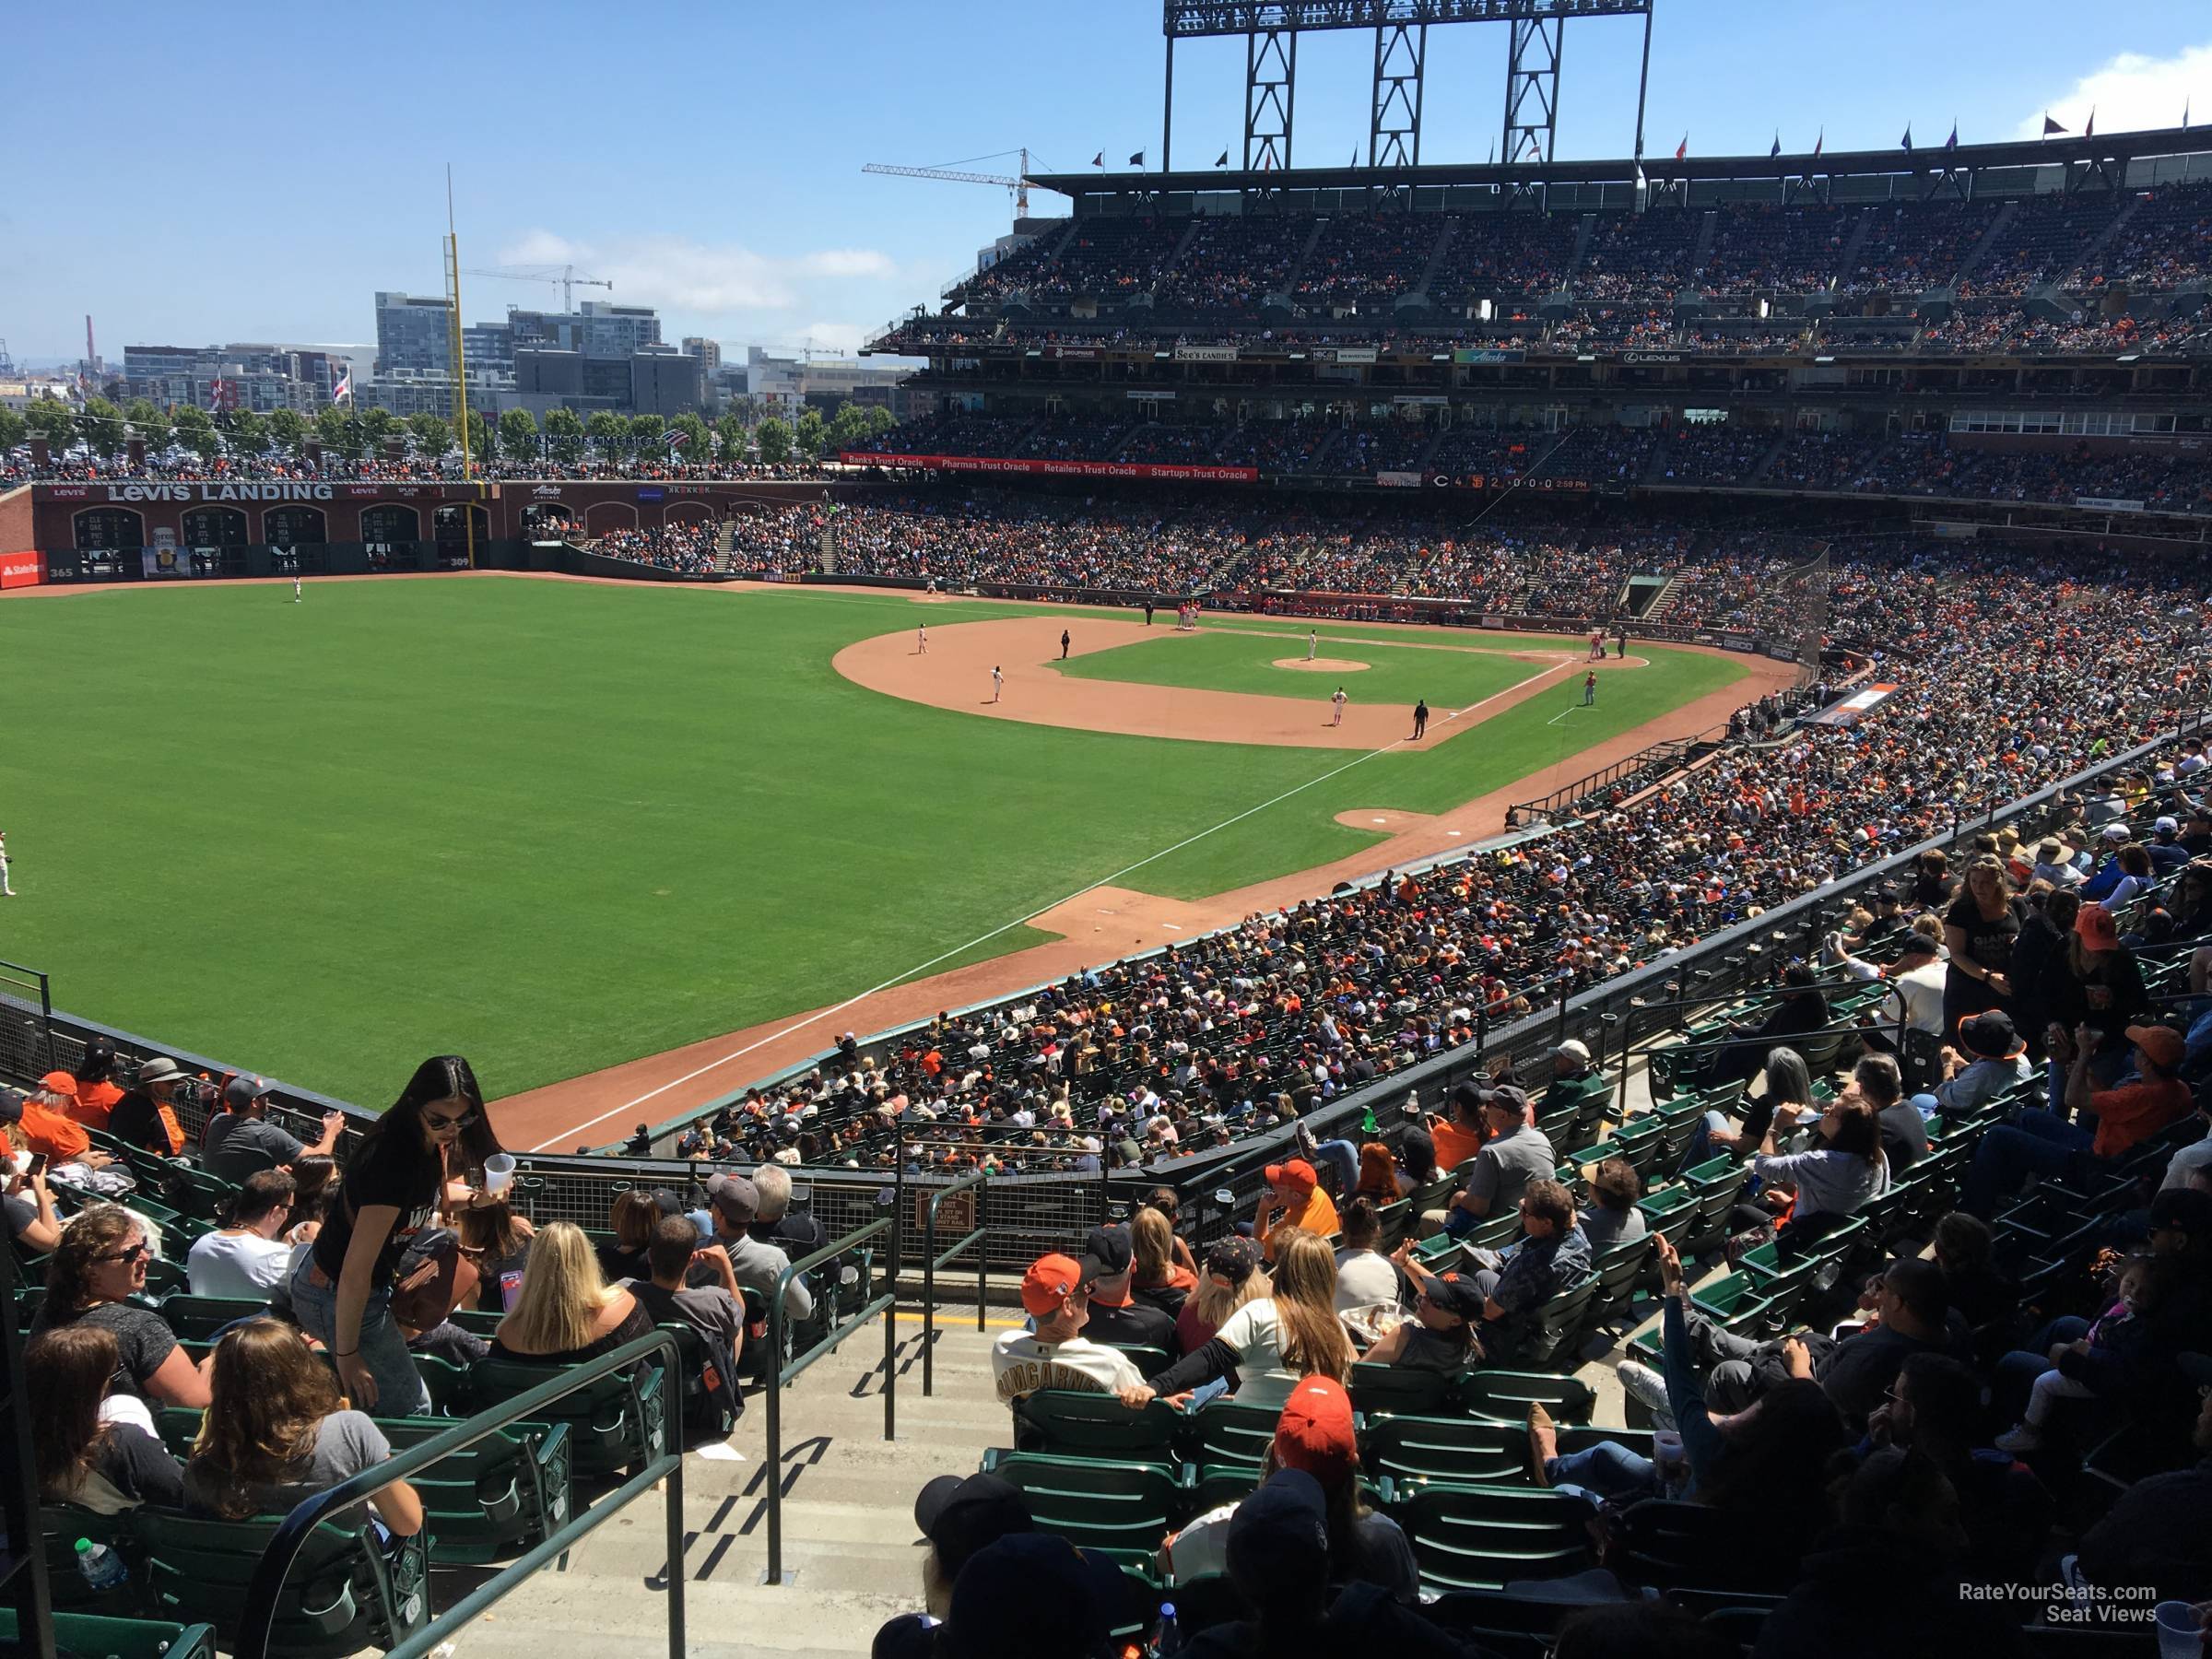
[2133,92]
[701,280]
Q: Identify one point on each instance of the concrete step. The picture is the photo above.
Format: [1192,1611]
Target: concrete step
[852,1558]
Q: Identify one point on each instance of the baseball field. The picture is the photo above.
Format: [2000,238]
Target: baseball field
[558,825]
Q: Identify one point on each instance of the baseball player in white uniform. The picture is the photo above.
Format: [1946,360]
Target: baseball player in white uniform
[7,891]
[1340,699]
[921,640]
[999,682]
[1313,644]
[295,587]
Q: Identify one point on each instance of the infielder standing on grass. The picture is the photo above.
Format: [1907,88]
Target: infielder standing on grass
[1589,688]
[1340,699]
[999,682]
[6,890]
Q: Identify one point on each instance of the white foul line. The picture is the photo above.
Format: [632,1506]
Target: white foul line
[800,1025]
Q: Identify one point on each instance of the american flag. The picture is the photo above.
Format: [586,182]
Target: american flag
[676,439]
[342,386]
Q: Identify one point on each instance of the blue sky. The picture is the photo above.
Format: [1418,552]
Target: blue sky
[256,171]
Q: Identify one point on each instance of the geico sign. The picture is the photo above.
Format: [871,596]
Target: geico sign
[218,492]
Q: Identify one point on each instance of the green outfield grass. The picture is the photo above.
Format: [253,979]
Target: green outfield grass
[558,826]
[1223,658]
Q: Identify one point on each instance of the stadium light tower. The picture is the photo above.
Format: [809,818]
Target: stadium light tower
[1271,29]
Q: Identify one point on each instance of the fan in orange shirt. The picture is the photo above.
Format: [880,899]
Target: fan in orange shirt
[1293,1198]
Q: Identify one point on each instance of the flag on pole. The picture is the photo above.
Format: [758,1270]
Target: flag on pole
[1099,159]
[1222,161]
[1907,140]
[1491,159]
[676,439]
[1682,148]
[1819,141]
[2051,127]
[342,386]
[1952,142]
[1137,159]
[2090,130]
[2184,114]
[1775,148]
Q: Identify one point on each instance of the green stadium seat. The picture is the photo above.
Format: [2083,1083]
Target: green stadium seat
[60,1527]
[1100,1502]
[84,1634]
[491,1501]
[1402,1389]
[1223,1432]
[1472,1538]
[344,1592]
[1506,1396]
[1072,1422]
[198,1318]
[616,1422]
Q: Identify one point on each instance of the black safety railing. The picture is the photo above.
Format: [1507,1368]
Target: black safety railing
[977,1181]
[1652,762]
[265,1593]
[28,988]
[783,1372]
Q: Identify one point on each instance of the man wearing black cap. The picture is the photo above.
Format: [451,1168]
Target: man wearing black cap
[241,1141]
[1913,1305]
[1882,932]
[1116,1319]
[960,1517]
[1516,1154]
[1034,1596]
[735,1203]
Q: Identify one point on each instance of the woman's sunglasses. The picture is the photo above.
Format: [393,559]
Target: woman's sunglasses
[134,1254]
[463,1122]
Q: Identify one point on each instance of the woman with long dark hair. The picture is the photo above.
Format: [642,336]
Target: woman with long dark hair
[412,1162]
[85,1455]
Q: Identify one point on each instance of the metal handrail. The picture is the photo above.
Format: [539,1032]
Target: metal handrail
[276,1565]
[780,1373]
[933,1259]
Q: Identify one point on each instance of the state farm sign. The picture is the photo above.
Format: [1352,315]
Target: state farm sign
[22,570]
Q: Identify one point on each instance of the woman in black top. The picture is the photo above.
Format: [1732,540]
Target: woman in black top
[82,1458]
[1980,930]
[98,1266]
[411,1164]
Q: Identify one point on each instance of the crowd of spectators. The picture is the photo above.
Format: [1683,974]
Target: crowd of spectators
[1361,260]
[1714,455]
[2041,242]
[2166,242]
[691,546]
[1230,264]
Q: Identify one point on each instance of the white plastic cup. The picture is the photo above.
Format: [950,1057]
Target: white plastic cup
[2180,1636]
[499,1172]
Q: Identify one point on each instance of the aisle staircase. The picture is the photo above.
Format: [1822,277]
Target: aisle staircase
[852,1558]
[725,545]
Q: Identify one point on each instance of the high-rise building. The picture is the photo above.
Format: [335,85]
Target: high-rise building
[259,377]
[708,352]
[413,333]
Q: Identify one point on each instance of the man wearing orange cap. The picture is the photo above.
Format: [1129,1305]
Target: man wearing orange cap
[1315,1435]
[1055,1354]
[1293,1198]
[2048,1144]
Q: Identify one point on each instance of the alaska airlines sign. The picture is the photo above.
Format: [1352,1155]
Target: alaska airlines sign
[282,491]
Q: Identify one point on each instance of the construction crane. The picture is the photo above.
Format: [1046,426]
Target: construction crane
[1018,184]
[567,278]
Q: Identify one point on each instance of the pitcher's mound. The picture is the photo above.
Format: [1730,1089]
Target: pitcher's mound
[1320,665]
